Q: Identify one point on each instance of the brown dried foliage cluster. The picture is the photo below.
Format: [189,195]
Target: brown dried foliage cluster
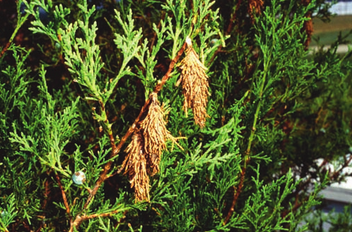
[149,139]
[195,85]
[145,149]
[255,6]
[136,167]
[155,134]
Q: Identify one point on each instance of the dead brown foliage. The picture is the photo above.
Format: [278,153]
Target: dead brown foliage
[195,85]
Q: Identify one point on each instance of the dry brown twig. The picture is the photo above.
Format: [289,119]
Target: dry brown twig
[236,193]
[63,194]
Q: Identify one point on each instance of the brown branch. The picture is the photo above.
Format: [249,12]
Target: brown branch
[5,49]
[337,173]
[87,217]
[296,206]
[236,194]
[45,202]
[238,190]
[63,193]
[116,149]
[100,215]
[46,194]
[166,77]
[232,20]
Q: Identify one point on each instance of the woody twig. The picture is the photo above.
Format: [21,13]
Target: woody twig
[237,190]
[63,193]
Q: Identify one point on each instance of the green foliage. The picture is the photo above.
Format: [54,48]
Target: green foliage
[338,221]
[71,98]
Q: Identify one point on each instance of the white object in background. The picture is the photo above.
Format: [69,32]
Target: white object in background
[341,8]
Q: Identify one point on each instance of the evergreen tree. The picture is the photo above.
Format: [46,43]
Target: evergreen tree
[167,115]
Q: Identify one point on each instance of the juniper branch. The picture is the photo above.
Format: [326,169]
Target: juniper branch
[250,141]
[116,149]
